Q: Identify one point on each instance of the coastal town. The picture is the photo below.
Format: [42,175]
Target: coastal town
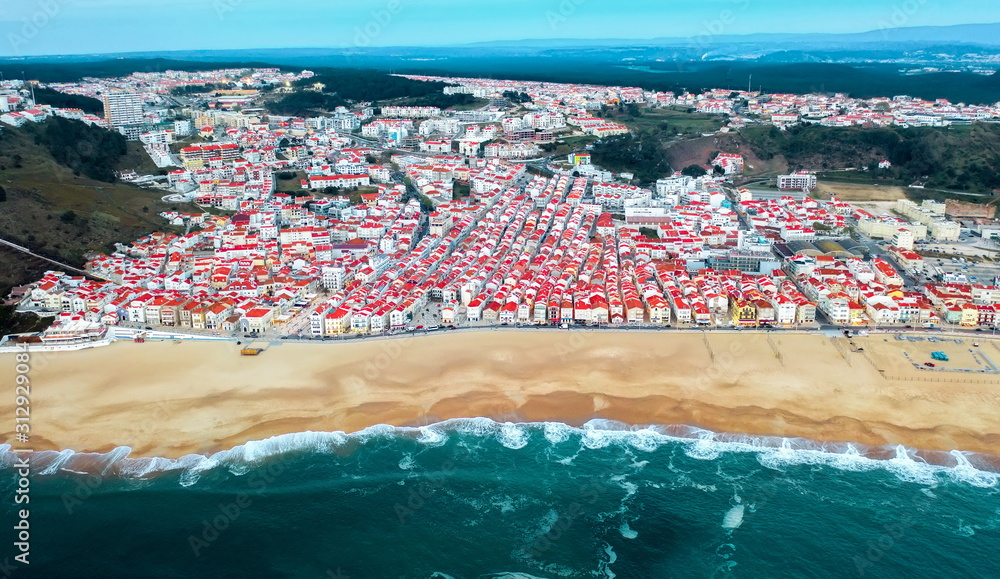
[374,220]
[441,289]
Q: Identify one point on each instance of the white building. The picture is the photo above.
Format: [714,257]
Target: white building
[122,108]
[802,181]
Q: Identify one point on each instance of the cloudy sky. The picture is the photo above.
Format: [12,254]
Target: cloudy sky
[44,27]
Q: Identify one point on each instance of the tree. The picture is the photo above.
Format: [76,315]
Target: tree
[642,155]
[89,151]
[426,205]
[516,97]
[3,194]
[68,217]
[694,171]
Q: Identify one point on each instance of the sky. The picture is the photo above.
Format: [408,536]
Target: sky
[52,27]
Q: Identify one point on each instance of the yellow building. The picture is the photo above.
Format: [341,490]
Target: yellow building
[970,315]
[744,313]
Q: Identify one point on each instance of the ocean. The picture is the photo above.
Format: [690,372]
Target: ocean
[480,499]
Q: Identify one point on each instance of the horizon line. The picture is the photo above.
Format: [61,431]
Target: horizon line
[354,47]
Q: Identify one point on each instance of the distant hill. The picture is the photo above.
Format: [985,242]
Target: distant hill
[982,34]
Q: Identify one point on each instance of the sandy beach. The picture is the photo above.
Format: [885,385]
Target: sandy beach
[170,399]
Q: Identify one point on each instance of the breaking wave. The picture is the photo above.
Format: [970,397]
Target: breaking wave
[776,453]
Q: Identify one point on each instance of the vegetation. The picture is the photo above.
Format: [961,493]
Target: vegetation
[198,89]
[516,97]
[62,215]
[341,87]
[694,171]
[137,159]
[461,190]
[604,68]
[305,103]
[89,151]
[369,85]
[667,121]
[12,322]
[649,232]
[642,155]
[426,205]
[445,101]
[959,158]
[47,96]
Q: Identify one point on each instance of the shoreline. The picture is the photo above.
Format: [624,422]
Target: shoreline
[908,463]
[169,400]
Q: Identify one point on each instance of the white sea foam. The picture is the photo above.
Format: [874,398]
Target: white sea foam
[733,517]
[432,436]
[627,532]
[703,450]
[58,462]
[513,436]
[647,439]
[964,472]
[556,432]
[606,565]
[964,530]
[594,438]
[773,453]
[909,470]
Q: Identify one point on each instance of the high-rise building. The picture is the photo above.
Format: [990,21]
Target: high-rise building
[122,108]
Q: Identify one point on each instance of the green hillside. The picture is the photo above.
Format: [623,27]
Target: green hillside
[961,158]
[49,209]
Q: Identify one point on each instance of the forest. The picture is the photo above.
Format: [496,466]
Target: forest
[87,150]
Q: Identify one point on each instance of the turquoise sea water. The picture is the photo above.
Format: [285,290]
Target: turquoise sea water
[478,499]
